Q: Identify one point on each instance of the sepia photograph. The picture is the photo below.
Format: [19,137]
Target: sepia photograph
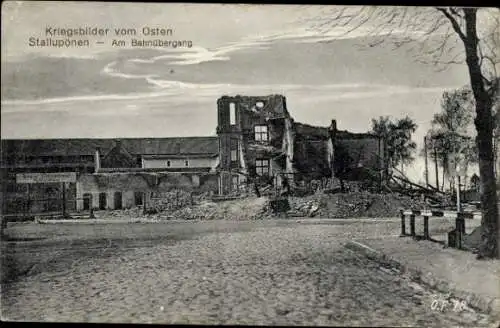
[250,164]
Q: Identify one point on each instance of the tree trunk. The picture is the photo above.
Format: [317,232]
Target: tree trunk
[464,184]
[436,166]
[484,127]
[496,159]
[466,175]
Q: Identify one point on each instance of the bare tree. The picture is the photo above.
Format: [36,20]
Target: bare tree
[441,36]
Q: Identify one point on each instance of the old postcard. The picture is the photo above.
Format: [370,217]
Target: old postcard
[181,163]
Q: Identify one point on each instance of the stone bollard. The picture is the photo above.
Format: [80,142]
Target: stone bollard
[412,225]
[426,228]
[403,224]
[459,229]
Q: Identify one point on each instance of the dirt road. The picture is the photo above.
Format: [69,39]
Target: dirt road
[270,273]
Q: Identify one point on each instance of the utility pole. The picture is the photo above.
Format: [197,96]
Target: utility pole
[436,167]
[381,164]
[426,163]
[402,167]
[457,174]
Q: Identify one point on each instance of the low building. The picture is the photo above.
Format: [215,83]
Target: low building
[111,173]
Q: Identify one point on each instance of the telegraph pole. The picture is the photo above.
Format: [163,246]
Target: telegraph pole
[458,172]
[436,167]
[426,163]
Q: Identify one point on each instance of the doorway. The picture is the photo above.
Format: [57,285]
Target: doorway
[102,201]
[87,198]
[139,196]
[118,200]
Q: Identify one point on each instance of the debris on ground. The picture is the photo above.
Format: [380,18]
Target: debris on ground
[325,201]
[338,205]
[242,209]
[353,204]
[249,208]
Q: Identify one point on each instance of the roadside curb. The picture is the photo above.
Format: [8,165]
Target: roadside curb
[485,304]
[108,221]
[146,220]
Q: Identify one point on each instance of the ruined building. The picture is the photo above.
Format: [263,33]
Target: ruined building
[257,143]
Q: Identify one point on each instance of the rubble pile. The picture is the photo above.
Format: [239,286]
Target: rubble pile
[355,204]
[303,206]
[251,208]
[182,205]
[173,200]
[133,212]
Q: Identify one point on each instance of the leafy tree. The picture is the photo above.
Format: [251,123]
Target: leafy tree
[450,132]
[448,26]
[399,147]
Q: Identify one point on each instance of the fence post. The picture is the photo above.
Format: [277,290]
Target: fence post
[403,224]
[426,227]
[412,225]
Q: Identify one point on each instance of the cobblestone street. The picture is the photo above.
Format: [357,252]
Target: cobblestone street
[297,274]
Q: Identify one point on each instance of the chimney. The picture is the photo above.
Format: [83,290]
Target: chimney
[333,130]
[333,126]
[97,160]
[178,147]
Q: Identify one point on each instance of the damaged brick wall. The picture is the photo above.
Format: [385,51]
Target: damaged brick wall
[251,132]
[322,151]
[359,156]
[312,152]
[128,184]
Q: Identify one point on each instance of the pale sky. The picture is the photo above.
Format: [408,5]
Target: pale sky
[108,91]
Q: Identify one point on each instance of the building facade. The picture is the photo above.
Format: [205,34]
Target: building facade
[111,173]
[255,141]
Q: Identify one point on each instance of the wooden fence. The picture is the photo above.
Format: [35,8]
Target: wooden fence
[457,233]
